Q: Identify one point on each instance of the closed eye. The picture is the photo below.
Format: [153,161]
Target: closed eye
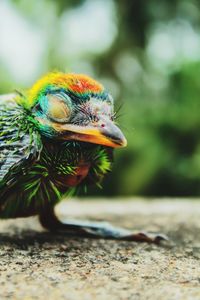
[59,109]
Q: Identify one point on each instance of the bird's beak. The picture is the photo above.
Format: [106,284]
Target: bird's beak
[104,132]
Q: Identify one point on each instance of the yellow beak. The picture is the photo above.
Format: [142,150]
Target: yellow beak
[104,133]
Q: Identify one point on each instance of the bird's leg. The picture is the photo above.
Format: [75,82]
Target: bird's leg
[95,229]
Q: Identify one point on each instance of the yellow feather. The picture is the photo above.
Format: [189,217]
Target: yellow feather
[78,83]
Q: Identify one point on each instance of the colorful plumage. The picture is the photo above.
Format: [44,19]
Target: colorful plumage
[58,136]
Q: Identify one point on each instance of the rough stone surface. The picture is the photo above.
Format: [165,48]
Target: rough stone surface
[36,264]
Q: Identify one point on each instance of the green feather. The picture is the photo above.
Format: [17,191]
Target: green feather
[30,164]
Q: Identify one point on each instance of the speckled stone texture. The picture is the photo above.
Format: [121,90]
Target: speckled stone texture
[36,264]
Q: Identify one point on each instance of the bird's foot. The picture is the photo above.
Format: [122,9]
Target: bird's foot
[88,229]
[102,230]
[108,231]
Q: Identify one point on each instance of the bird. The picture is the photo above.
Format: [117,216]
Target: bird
[55,138]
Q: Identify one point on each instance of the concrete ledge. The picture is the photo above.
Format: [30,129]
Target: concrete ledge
[37,265]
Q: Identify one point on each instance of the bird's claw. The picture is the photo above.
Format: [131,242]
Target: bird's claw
[107,231]
[145,237]
[104,230]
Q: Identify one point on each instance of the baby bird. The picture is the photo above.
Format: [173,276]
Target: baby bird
[56,138]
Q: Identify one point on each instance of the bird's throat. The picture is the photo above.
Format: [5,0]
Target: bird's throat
[75,179]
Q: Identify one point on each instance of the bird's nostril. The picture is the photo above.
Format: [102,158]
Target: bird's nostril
[103,125]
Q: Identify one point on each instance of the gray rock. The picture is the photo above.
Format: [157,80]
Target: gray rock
[36,264]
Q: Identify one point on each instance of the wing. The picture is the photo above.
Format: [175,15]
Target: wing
[20,143]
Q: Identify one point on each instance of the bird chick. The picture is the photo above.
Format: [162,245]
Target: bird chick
[57,137]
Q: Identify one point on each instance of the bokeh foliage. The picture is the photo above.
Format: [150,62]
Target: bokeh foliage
[152,67]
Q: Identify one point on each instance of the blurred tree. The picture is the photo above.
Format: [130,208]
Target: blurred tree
[152,67]
[163,153]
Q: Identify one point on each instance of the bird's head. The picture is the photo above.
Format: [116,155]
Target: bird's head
[74,107]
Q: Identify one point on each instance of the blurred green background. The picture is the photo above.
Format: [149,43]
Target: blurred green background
[147,53]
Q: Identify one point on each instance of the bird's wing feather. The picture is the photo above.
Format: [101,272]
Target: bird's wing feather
[20,143]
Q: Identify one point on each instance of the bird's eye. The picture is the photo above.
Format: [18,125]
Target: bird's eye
[59,108]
